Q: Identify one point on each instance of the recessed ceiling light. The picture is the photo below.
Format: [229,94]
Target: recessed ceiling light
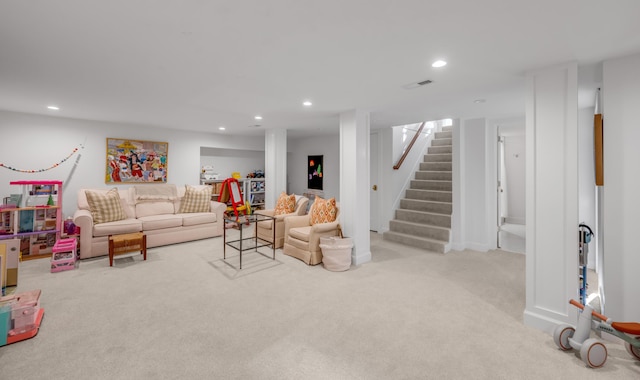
[479,101]
[54,108]
[222,128]
[439,63]
[307,103]
[258,117]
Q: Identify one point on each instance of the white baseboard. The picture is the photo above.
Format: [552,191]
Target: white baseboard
[478,247]
[472,246]
[543,322]
[360,257]
[514,220]
[457,246]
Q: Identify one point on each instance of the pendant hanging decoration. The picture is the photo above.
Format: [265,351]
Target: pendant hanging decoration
[75,150]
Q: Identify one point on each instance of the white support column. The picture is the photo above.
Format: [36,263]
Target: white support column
[620,201]
[551,196]
[354,182]
[275,165]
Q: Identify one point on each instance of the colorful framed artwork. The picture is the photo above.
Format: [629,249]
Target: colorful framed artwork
[136,161]
[314,167]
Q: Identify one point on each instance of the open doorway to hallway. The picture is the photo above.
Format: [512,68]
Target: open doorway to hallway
[511,189]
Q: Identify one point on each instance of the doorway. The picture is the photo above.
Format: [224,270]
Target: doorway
[511,189]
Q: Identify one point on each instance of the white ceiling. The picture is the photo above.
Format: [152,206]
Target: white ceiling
[197,64]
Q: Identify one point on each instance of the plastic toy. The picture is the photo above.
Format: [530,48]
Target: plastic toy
[593,352]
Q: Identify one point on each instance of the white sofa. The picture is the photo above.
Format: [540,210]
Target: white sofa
[157,216]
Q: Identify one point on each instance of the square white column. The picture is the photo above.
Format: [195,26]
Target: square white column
[551,196]
[275,165]
[354,182]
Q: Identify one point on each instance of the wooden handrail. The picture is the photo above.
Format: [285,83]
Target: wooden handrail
[406,151]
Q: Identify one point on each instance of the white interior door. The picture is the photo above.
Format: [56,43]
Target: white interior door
[374,216]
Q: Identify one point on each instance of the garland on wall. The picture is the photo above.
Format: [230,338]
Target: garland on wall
[75,150]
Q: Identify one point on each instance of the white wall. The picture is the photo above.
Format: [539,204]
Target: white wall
[299,150]
[227,161]
[35,142]
[621,102]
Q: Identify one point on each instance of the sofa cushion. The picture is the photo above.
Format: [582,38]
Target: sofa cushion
[196,200]
[144,209]
[266,224]
[286,204]
[196,218]
[158,222]
[300,233]
[125,226]
[105,207]
[302,244]
[323,211]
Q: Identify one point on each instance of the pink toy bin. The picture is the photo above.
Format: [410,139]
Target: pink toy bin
[64,255]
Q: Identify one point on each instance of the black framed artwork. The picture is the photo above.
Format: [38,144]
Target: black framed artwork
[315,169]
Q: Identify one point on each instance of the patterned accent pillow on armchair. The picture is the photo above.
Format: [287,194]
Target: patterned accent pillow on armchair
[286,204]
[323,211]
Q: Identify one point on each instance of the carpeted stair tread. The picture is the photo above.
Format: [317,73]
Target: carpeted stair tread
[436,166]
[420,229]
[438,157]
[443,135]
[429,195]
[424,217]
[429,184]
[434,175]
[435,207]
[441,142]
[433,245]
[440,149]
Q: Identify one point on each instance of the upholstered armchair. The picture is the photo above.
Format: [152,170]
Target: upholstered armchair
[302,233]
[265,228]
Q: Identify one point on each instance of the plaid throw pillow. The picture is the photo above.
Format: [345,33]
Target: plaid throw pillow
[286,204]
[105,207]
[196,200]
[323,211]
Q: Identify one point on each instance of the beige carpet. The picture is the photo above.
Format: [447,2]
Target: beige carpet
[187,314]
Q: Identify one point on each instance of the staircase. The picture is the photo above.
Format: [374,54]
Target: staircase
[424,217]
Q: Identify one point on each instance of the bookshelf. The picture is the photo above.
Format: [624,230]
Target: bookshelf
[254,192]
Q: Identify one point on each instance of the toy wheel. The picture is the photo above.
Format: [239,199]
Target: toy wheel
[561,336]
[593,353]
[633,350]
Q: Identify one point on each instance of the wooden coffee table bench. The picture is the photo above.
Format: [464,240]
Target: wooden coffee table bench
[125,243]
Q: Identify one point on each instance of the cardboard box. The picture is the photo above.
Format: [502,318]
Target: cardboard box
[12,247]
